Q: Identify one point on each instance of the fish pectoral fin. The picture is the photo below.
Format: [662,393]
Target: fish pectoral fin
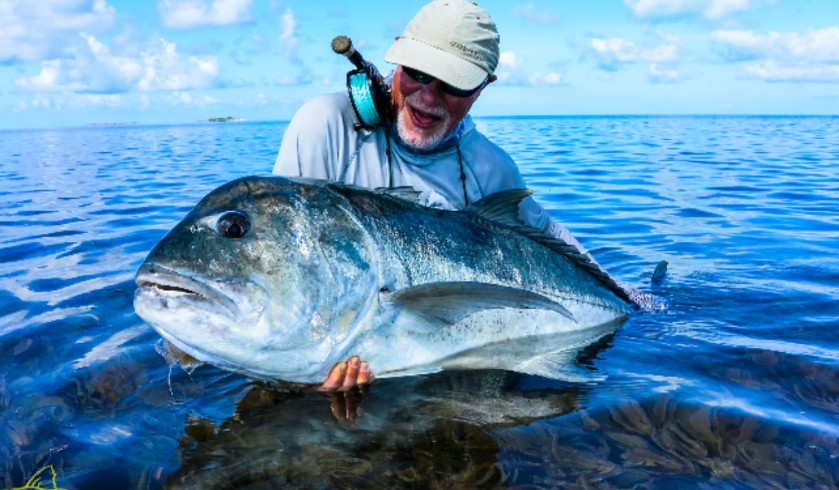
[560,365]
[446,303]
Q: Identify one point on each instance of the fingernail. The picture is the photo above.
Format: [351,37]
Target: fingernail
[364,366]
[354,362]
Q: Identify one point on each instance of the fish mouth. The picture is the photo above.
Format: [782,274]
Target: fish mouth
[168,284]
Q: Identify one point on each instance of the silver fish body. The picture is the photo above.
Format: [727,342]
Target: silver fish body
[281,278]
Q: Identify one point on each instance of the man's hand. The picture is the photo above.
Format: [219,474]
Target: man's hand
[343,378]
[347,375]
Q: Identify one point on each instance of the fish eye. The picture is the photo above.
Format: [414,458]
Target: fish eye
[232,224]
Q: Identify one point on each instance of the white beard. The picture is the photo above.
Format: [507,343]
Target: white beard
[416,139]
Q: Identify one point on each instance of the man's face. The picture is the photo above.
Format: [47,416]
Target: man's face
[425,114]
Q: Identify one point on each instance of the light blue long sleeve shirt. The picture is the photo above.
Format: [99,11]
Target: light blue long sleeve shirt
[322,142]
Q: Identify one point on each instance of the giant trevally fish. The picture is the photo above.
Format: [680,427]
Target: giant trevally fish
[281,278]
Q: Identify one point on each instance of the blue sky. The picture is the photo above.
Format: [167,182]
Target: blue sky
[76,62]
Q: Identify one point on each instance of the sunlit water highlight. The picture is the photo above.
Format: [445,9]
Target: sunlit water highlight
[736,385]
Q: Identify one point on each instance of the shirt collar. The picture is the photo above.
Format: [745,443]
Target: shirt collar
[448,142]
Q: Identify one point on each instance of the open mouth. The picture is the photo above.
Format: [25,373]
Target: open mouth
[423,119]
[165,287]
[167,284]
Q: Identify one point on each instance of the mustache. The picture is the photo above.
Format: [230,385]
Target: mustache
[416,103]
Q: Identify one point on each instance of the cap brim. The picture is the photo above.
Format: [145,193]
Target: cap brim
[436,62]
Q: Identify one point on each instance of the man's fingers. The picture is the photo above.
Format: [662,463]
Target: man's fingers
[345,376]
[364,374]
[351,378]
[336,376]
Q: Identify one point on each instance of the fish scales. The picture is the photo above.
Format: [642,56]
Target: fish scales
[281,278]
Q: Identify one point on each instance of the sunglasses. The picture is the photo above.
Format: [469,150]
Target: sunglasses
[425,79]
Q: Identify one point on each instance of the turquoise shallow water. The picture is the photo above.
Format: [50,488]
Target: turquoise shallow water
[735,385]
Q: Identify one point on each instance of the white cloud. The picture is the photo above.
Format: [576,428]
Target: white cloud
[41,102]
[94,69]
[819,45]
[60,102]
[529,13]
[772,71]
[777,56]
[664,74]
[510,71]
[187,99]
[165,70]
[546,79]
[102,100]
[612,52]
[508,60]
[48,29]
[663,9]
[185,14]
[288,33]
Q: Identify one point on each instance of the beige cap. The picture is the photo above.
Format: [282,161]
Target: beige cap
[453,40]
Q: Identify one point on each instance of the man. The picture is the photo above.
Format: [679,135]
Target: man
[445,59]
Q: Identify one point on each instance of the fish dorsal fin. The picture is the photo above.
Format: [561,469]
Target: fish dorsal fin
[404,192]
[503,207]
[446,303]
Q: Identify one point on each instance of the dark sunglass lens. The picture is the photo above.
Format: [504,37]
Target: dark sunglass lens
[418,76]
[458,92]
[463,93]
[425,79]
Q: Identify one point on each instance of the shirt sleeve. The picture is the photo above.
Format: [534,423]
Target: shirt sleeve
[496,171]
[312,145]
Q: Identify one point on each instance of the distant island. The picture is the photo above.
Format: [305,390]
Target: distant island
[225,119]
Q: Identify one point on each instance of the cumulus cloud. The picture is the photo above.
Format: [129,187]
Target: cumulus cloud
[613,52]
[187,99]
[664,9]
[530,13]
[772,71]
[185,14]
[165,70]
[508,60]
[664,74]
[288,33]
[48,29]
[102,100]
[818,45]
[778,56]
[511,71]
[95,69]
[551,78]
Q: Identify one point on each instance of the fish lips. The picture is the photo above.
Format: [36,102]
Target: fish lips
[177,289]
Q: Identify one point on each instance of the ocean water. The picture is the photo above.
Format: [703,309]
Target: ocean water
[734,385]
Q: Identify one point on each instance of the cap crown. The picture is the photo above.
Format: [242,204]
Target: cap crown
[460,28]
[453,40]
